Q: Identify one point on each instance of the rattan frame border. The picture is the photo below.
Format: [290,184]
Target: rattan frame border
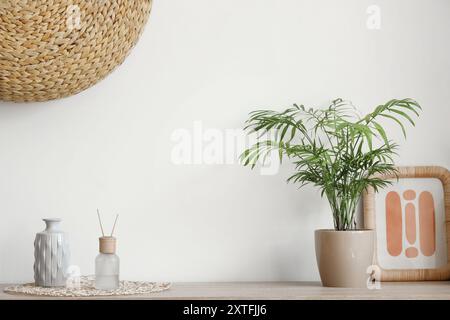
[443,175]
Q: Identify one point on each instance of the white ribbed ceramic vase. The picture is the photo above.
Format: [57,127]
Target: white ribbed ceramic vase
[51,254]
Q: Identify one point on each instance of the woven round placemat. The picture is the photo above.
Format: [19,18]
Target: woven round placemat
[87,289]
[51,49]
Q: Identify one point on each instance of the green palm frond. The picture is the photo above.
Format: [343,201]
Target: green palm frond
[334,149]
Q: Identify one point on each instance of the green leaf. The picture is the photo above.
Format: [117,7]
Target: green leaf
[407,106]
[285,129]
[381,132]
[396,120]
[404,115]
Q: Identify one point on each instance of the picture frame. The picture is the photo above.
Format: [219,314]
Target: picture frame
[412,232]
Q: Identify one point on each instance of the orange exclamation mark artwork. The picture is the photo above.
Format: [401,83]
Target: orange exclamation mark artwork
[394,224]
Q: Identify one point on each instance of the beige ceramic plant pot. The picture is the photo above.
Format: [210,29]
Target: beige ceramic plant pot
[344,256]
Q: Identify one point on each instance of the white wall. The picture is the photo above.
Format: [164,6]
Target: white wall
[211,60]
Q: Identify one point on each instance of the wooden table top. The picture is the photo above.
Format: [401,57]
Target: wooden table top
[279,291]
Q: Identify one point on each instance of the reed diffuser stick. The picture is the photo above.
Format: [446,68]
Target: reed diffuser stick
[114,226]
[100,221]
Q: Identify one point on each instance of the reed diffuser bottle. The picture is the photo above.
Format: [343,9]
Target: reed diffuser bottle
[107,263]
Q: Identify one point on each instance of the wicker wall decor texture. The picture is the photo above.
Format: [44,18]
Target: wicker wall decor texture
[51,49]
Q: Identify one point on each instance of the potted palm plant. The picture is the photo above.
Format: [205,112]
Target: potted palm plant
[341,153]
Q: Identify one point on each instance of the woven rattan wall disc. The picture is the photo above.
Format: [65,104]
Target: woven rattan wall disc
[51,49]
